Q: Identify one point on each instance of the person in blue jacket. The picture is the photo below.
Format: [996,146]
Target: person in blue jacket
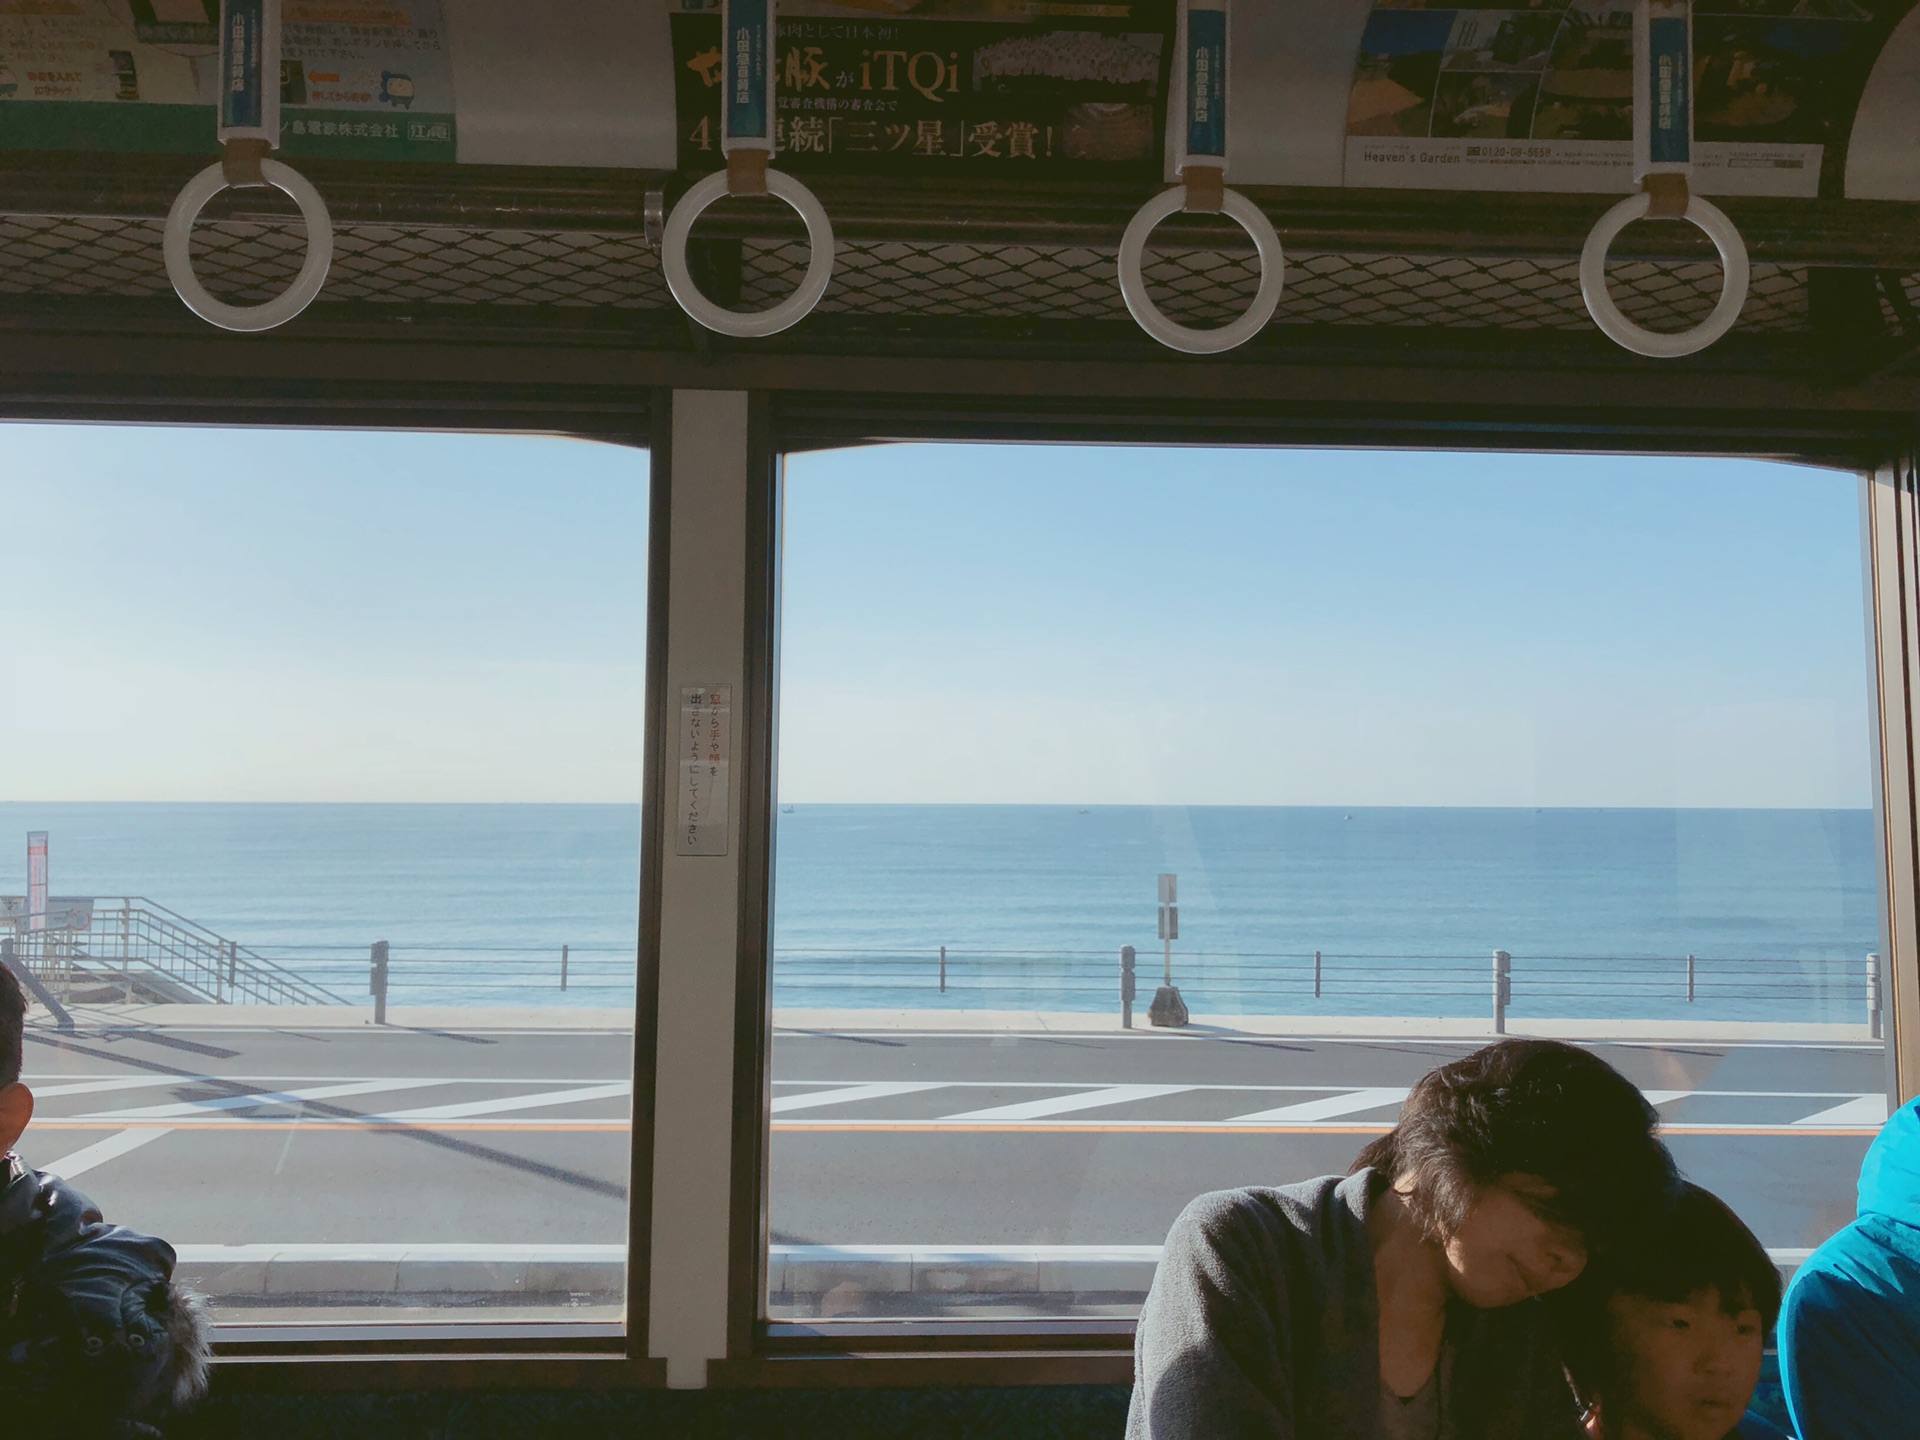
[1850,1326]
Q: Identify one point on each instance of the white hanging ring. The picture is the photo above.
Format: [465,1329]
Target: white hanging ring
[1733,284]
[748,324]
[1194,341]
[282,308]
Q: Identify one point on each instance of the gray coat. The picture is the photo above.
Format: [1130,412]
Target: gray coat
[1263,1324]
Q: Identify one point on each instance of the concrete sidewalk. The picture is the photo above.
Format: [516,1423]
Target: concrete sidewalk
[1315,1026]
[453,1018]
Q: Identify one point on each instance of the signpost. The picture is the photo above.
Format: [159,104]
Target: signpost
[36,880]
[1168,1008]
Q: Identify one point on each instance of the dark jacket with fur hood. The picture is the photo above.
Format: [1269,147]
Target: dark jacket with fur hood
[95,1338]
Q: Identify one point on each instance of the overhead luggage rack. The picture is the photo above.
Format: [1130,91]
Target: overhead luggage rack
[440,265]
[573,258]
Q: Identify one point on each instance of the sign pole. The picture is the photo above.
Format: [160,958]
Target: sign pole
[1168,1009]
[36,880]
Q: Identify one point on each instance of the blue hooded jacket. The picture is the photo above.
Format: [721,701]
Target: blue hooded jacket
[1850,1324]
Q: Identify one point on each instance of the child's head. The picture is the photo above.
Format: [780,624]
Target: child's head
[1666,1338]
[16,1101]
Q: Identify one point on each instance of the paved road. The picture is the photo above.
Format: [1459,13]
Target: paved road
[491,1145]
[1078,1140]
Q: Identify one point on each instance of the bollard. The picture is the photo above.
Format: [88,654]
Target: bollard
[378,982]
[1502,989]
[1316,974]
[563,967]
[1873,997]
[1127,986]
[1689,979]
[943,969]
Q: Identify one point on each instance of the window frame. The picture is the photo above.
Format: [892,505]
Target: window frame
[1883,450]
[328,1356]
[1100,1351]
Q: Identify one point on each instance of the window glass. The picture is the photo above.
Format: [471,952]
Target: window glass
[298,715]
[1399,749]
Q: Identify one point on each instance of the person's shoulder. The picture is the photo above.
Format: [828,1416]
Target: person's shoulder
[1857,1269]
[1254,1219]
[101,1310]
[1258,1207]
[1753,1426]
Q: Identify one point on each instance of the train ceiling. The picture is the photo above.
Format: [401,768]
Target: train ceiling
[500,169]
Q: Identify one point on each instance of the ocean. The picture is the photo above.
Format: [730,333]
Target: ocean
[1597,908]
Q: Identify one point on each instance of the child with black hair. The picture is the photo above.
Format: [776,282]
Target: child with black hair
[1664,1339]
[96,1339]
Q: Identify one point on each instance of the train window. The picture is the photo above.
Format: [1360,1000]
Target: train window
[321,830]
[1150,819]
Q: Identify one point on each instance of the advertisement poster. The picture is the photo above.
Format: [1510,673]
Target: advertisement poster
[945,87]
[1540,97]
[359,79]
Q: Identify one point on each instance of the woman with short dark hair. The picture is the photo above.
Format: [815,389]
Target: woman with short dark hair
[1397,1301]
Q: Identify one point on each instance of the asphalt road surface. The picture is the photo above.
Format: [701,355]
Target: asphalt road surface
[478,1142]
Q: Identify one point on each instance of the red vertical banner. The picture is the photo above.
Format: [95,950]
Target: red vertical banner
[36,880]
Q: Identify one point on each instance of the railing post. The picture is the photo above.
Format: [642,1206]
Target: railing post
[1127,990]
[1316,974]
[377,982]
[1873,997]
[1689,979]
[233,969]
[1502,989]
[563,967]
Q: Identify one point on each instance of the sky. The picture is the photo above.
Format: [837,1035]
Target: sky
[214,614]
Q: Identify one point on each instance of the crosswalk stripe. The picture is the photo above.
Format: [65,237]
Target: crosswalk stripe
[258,1098]
[510,1102]
[1307,1111]
[87,1157]
[94,1087]
[1064,1104]
[880,1090]
[1861,1110]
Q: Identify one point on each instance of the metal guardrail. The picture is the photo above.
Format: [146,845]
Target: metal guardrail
[145,948]
[1220,981]
[1279,981]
